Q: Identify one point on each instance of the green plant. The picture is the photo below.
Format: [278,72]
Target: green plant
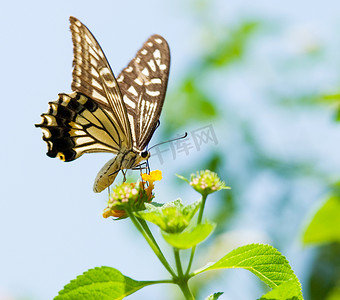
[182,231]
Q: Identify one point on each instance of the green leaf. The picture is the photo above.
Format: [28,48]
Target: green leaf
[287,290]
[190,237]
[214,296]
[324,226]
[172,217]
[265,262]
[102,283]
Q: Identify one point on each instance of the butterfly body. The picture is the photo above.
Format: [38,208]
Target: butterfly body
[128,159]
[104,114]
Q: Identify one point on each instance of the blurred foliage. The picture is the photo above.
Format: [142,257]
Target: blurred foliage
[188,103]
[290,86]
[325,276]
[324,227]
[192,99]
[334,101]
[231,47]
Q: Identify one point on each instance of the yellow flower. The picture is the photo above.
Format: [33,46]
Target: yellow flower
[132,195]
[153,176]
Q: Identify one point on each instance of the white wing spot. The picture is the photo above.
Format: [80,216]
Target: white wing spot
[137,60]
[159,41]
[94,72]
[76,81]
[133,91]
[138,81]
[129,102]
[96,84]
[129,69]
[144,51]
[150,44]
[104,71]
[156,80]
[87,38]
[145,72]
[77,37]
[75,28]
[93,53]
[77,23]
[153,93]
[132,124]
[96,95]
[77,70]
[120,78]
[157,54]
[152,65]
[141,115]
[93,62]
[162,67]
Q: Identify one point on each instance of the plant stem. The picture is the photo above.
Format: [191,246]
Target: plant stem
[178,263]
[160,281]
[151,242]
[200,214]
[186,291]
[199,220]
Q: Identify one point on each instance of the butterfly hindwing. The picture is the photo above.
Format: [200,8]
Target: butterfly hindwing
[75,124]
[143,85]
[93,77]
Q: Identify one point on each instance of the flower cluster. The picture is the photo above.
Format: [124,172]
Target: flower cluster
[131,196]
[205,182]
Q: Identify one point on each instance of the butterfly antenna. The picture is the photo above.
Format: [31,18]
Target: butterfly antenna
[169,141]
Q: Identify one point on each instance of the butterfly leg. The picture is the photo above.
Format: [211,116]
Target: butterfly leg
[124,173]
[141,166]
[148,167]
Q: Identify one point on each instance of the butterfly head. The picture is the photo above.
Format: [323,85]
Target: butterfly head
[145,154]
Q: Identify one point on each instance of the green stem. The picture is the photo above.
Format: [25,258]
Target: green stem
[178,263]
[200,214]
[186,291]
[199,220]
[151,243]
[149,233]
[160,281]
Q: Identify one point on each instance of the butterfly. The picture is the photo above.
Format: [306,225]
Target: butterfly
[105,114]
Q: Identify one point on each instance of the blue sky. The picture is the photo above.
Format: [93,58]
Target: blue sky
[51,227]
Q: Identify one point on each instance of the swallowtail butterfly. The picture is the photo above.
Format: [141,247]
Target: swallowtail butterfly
[105,114]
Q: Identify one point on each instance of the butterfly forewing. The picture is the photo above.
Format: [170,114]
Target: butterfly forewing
[93,77]
[143,85]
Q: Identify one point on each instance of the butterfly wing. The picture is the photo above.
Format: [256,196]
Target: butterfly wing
[143,85]
[93,77]
[76,124]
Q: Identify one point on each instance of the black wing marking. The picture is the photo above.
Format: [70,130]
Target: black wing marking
[74,125]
